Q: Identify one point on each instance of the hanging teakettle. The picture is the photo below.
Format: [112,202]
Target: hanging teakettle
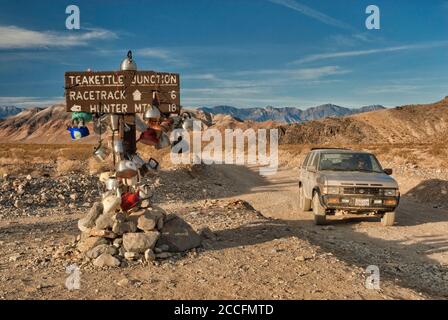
[112,183]
[114,122]
[101,152]
[126,169]
[129,200]
[149,137]
[118,146]
[78,132]
[164,141]
[152,113]
[187,123]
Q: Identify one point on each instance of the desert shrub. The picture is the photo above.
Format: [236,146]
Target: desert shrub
[64,166]
[3,170]
[95,166]
[438,150]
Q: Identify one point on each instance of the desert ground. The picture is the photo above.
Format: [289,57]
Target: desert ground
[258,244]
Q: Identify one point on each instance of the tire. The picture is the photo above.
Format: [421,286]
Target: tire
[318,211]
[388,219]
[304,203]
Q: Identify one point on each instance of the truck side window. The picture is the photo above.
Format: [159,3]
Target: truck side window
[305,162]
[310,160]
[314,162]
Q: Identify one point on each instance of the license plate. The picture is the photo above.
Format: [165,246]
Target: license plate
[362,202]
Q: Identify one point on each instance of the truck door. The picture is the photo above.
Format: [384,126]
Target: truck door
[306,176]
[312,174]
[302,169]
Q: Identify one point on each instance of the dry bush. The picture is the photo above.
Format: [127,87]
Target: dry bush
[64,166]
[96,167]
[76,152]
[438,150]
[3,170]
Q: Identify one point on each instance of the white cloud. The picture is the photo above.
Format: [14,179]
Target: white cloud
[255,87]
[355,53]
[161,54]
[297,74]
[203,76]
[393,89]
[13,37]
[320,16]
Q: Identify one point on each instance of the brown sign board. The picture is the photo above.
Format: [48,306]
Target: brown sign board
[122,91]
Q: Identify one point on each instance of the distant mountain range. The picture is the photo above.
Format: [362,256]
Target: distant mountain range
[7,111]
[404,124]
[288,115]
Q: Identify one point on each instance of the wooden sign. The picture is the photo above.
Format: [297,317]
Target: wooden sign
[122,91]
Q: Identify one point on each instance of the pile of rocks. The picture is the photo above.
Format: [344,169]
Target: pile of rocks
[35,195]
[113,238]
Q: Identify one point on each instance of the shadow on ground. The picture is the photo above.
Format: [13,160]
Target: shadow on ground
[416,271]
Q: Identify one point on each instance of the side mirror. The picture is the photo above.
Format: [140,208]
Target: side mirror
[388,171]
[312,168]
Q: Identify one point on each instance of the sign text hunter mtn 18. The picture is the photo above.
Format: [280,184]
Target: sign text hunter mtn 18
[122,91]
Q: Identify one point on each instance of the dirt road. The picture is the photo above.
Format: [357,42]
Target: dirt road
[413,253]
[280,255]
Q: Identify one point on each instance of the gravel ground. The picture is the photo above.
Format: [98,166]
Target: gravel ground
[245,253]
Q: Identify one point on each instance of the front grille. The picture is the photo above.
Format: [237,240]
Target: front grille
[363,191]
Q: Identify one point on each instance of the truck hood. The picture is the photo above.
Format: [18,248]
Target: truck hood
[371,179]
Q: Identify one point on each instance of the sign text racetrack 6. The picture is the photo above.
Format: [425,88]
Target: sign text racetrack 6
[246,309]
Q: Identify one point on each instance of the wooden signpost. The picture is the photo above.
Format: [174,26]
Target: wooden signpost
[122,91]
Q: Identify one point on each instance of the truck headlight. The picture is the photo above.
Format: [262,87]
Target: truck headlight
[390,192]
[331,190]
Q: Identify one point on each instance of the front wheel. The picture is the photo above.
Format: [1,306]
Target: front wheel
[318,211]
[304,203]
[388,219]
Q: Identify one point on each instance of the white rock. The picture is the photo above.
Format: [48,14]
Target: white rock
[106,260]
[149,255]
[118,242]
[131,256]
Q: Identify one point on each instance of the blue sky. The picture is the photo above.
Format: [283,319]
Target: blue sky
[245,53]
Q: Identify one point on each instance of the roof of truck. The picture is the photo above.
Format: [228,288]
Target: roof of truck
[339,150]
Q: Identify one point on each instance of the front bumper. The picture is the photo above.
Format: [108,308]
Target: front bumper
[352,202]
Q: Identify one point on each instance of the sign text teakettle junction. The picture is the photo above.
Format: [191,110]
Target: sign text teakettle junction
[122,91]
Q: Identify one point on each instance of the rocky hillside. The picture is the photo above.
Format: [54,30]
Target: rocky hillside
[38,125]
[7,111]
[406,124]
[288,115]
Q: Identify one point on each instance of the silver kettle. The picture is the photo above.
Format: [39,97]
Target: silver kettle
[100,152]
[126,169]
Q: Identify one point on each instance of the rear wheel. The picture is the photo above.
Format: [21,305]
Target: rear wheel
[304,203]
[318,211]
[388,219]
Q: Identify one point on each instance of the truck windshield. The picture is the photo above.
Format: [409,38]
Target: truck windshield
[363,162]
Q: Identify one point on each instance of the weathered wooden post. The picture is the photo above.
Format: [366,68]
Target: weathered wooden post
[121,95]
[123,225]
[129,136]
